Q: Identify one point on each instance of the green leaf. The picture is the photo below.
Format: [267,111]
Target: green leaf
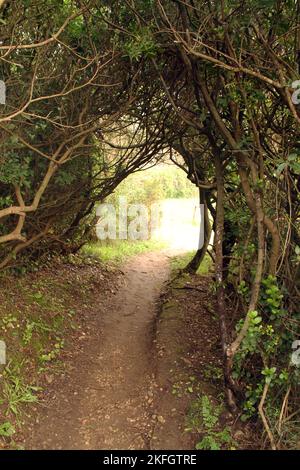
[280,168]
[295,166]
[6,429]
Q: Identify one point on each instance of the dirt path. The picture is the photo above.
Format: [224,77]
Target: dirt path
[107,401]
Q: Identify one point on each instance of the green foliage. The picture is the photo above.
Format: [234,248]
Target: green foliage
[269,373]
[141,44]
[249,344]
[54,352]
[293,163]
[272,297]
[28,332]
[213,372]
[252,397]
[204,418]
[15,391]
[243,289]
[15,169]
[264,339]
[7,429]
[155,184]
[297,253]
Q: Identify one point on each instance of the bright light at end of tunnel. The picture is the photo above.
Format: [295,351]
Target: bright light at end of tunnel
[179,224]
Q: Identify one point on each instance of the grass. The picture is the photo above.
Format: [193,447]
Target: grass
[38,311]
[15,391]
[180,262]
[119,250]
[32,326]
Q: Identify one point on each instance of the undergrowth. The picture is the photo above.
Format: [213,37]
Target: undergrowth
[204,418]
[39,314]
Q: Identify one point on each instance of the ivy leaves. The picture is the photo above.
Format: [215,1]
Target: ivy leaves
[292,163]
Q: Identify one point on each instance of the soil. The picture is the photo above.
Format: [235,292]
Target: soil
[106,402]
[127,385]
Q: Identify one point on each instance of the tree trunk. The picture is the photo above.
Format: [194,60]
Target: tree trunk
[219,237]
[193,266]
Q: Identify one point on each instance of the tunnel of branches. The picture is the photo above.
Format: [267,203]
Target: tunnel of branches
[98,90]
